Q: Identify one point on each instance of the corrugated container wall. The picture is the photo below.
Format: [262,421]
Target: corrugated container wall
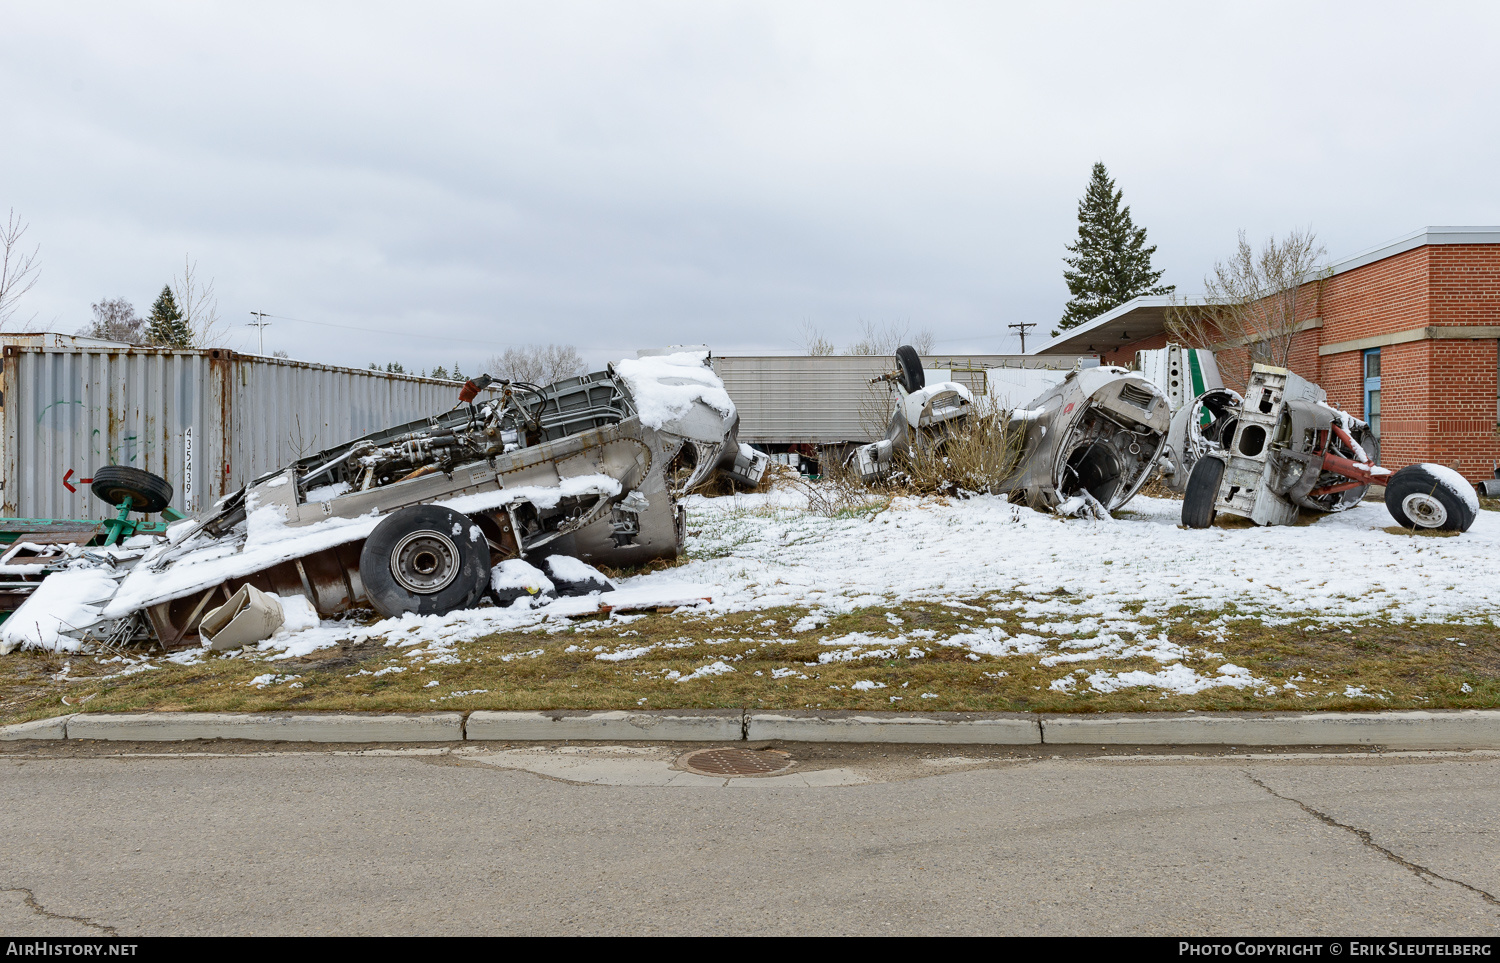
[828,399]
[206,420]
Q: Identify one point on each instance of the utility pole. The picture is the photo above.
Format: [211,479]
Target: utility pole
[1023,327]
[261,327]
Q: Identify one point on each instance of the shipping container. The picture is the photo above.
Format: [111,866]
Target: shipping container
[207,420]
[829,400]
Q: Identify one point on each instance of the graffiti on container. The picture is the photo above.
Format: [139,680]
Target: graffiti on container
[68,485]
[43,413]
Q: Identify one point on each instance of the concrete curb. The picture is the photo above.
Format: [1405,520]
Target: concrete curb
[1446,729]
[684,725]
[975,728]
[270,727]
[54,728]
[1443,729]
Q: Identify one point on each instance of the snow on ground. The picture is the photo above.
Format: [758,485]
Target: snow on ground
[1086,591]
[1083,591]
[760,551]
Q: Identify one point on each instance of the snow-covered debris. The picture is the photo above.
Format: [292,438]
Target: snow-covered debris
[514,578]
[64,601]
[665,387]
[268,540]
[576,577]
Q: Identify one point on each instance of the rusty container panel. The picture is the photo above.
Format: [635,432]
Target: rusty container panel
[284,410]
[207,420]
[69,410]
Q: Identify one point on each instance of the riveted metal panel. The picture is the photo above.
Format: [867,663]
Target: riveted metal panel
[828,400]
[207,420]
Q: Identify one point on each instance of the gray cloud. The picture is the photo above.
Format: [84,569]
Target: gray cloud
[618,175]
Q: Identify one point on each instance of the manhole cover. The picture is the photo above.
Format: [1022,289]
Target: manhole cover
[736,762]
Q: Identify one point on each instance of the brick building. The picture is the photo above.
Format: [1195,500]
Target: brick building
[1405,335]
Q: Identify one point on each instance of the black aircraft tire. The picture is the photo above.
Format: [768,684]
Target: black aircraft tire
[1202,492]
[1417,498]
[116,484]
[913,378]
[427,560]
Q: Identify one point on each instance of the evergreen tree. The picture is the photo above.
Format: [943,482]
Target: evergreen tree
[440,373]
[165,325]
[1111,263]
[458,375]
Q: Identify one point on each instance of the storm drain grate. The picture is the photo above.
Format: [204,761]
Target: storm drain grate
[736,762]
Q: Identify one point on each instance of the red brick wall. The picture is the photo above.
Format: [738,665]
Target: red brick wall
[1456,426]
[1387,296]
[1342,376]
[1464,284]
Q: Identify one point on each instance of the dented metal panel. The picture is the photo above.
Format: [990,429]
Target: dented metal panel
[207,420]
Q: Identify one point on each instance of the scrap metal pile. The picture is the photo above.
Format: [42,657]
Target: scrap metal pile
[1087,443]
[424,518]
[519,493]
[1282,449]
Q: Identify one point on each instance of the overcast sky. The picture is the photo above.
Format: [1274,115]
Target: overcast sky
[616,175]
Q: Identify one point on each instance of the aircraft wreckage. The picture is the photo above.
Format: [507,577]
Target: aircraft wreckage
[444,513]
[1090,442]
[1087,443]
[424,517]
[1282,449]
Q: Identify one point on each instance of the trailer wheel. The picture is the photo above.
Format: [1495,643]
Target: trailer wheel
[425,559]
[1202,492]
[117,484]
[1417,498]
[913,378]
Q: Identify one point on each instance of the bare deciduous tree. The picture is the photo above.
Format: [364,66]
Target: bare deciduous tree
[199,305]
[115,320]
[536,364]
[18,268]
[884,339]
[1256,300]
[813,342]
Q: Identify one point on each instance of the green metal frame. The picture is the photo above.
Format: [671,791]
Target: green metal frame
[113,530]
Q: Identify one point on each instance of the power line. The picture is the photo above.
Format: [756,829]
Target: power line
[1023,327]
[260,326]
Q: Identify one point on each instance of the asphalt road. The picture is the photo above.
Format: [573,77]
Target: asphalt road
[855,840]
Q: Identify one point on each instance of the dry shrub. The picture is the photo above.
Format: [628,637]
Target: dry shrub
[973,457]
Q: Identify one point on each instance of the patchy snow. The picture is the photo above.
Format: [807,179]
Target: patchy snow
[713,668]
[297,613]
[665,387]
[327,492]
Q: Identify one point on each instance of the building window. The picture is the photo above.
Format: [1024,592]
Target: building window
[1372,390]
